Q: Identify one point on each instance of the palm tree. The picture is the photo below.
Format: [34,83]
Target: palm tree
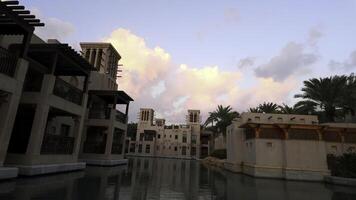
[268,107]
[254,110]
[306,107]
[325,93]
[222,116]
[285,109]
[348,99]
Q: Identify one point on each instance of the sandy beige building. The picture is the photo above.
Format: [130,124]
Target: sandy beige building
[292,147]
[154,138]
[14,29]
[105,126]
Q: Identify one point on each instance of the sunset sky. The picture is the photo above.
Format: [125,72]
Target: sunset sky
[180,54]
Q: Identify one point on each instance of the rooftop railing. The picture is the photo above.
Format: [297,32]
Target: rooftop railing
[67,91]
[8,62]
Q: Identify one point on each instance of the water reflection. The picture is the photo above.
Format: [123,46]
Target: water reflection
[149,178]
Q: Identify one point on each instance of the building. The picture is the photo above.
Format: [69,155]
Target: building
[14,29]
[292,147]
[155,138]
[105,126]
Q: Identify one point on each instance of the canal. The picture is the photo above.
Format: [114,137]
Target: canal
[154,178]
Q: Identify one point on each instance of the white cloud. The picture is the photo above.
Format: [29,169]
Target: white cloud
[54,28]
[346,65]
[153,80]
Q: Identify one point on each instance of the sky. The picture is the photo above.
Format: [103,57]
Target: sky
[179,54]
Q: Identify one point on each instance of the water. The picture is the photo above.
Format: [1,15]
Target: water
[153,178]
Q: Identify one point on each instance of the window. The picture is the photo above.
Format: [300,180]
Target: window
[141,136]
[169,147]
[65,130]
[175,148]
[194,139]
[193,151]
[176,137]
[184,138]
[164,135]
[148,148]
[132,148]
[159,136]
[157,148]
[184,150]
[140,148]
[170,136]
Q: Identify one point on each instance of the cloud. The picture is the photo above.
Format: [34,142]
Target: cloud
[291,59]
[54,28]
[144,67]
[153,80]
[232,15]
[345,65]
[314,35]
[246,62]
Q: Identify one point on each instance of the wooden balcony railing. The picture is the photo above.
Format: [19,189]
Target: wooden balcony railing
[94,147]
[121,117]
[99,113]
[68,92]
[8,62]
[116,148]
[56,144]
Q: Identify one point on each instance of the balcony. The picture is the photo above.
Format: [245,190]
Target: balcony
[116,148]
[56,144]
[8,62]
[120,117]
[94,147]
[99,113]
[68,92]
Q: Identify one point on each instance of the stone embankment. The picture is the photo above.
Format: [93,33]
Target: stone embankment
[212,161]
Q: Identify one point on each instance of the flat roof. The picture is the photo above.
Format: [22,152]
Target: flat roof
[100,45]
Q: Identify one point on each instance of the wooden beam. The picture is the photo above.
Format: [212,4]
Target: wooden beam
[16,7]
[10,2]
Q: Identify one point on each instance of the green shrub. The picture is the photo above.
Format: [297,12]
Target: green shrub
[219,153]
[343,166]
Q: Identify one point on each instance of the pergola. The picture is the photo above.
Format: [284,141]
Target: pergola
[299,131]
[15,20]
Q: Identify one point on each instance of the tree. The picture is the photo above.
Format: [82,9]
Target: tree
[306,107]
[348,98]
[268,107]
[254,110]
[222,117]
[326,93]
[285,109]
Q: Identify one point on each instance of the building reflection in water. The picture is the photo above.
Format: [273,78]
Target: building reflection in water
[154,178]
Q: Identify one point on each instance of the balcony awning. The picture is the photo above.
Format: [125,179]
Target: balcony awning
[15,20]
[119,97]
[60,58]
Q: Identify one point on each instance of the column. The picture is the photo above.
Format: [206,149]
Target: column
[41,115]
